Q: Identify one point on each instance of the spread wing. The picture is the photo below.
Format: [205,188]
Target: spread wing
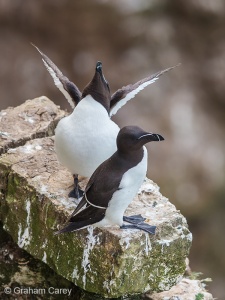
[126,93]
[68,88]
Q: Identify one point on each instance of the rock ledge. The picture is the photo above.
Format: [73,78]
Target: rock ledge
[109,261]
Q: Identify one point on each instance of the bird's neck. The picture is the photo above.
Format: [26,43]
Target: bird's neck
[98,94]
[132,157]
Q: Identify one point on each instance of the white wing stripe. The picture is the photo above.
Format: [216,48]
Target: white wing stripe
[130,96]
[59,84]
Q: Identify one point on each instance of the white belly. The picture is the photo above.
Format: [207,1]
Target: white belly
[129,186]
[86,138]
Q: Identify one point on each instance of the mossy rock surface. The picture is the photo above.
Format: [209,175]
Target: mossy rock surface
[109,261]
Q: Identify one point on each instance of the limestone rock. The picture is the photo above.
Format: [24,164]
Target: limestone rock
[186,289]
[109,261]
[34,118]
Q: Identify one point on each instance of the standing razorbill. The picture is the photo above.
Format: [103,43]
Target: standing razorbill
[114,184]
[87,137]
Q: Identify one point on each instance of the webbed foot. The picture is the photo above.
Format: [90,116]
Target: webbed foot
[134,219]
[142,226]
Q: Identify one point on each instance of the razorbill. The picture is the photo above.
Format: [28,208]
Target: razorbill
[114,184]
[87,137]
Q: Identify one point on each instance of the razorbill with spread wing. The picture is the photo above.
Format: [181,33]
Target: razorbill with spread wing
[87,137]
[114,184]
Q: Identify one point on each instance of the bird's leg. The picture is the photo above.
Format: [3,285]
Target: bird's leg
[76,191]
[134,219]
[142,226]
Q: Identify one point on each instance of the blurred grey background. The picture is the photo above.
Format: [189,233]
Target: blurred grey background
[187,105]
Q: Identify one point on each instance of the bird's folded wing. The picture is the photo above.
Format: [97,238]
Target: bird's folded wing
[84,218]
[99,192]
[94,199]
[68,88]
[90,183]
[90,214]
[126,93]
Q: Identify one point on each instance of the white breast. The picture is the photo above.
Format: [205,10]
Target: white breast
[129,186]
[86,138]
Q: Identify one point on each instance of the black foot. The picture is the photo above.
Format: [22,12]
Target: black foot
[136,219]
[76,193]
[146,227]
[142,226]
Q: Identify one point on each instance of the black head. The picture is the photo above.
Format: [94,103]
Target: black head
[98,88]
[132,138]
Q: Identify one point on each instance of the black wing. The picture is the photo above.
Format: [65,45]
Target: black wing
[84,218]
[68,88]
[126,93]
[95,185]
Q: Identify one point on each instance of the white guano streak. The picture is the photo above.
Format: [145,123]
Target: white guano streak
[91,242]
[24,240]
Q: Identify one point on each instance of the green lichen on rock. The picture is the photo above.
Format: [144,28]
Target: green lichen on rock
[110,262]
[199,296]
[19,270]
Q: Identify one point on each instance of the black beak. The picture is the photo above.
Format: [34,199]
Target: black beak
[151,137]
[99,70]
[99,67]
